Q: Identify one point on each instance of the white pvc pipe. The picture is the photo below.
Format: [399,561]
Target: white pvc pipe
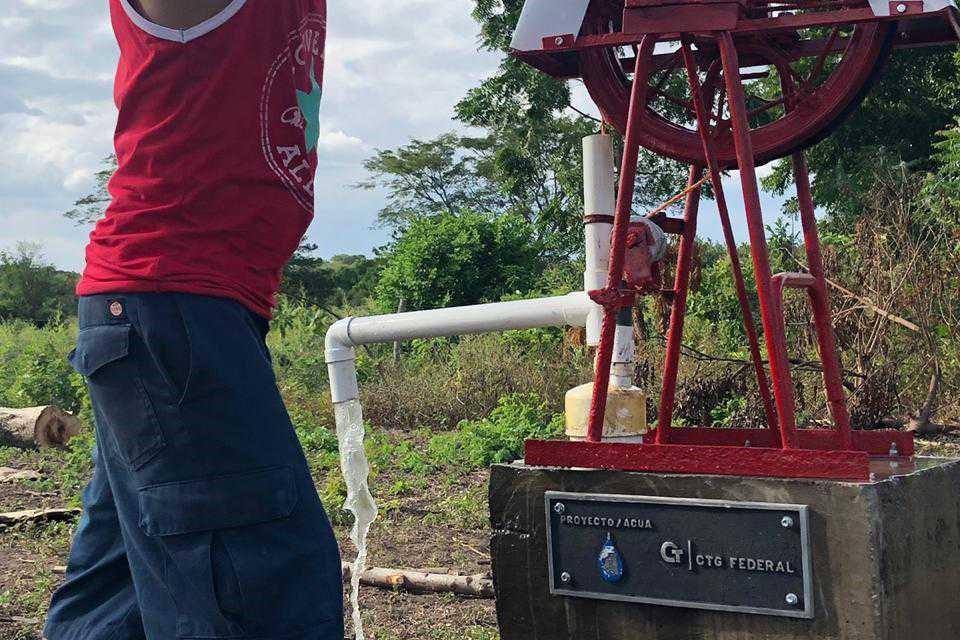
[599,195]
[599,198]
[345,335]
[622,367]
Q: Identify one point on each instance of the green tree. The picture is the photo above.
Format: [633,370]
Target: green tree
[91,207]
[33,290]
[533,116]
[448,260]
[344,280]
[917,95]
[427,177]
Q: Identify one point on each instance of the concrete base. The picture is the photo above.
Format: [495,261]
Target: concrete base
[886,558]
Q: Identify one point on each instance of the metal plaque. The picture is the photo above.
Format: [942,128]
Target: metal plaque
[749,557]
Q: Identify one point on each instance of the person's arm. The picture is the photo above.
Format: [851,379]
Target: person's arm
[179,14]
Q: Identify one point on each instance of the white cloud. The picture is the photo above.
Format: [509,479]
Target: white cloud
[339,141]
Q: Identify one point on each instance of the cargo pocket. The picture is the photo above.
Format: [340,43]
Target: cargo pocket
[208,529]
[119,397]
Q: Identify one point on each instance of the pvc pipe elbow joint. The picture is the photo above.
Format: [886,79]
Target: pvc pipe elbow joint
[341,357]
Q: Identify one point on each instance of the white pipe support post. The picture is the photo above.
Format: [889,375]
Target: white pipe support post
[599,204]
[347,334]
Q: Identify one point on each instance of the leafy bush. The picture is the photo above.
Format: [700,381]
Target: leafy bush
[34,368]
[498,437]
[33,290]
[448,260]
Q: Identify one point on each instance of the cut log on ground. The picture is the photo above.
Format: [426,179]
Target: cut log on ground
[19,620]
[37,427]
[476,586]
[37,515]
[13,475]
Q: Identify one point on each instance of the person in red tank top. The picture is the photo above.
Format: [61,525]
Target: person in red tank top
[201,519]
[216,148]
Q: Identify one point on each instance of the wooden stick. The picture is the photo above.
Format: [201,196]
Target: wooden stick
[32,427]
[867,302]
[19,620]
[476,586]
[12,475]
[37,515]
[677,198]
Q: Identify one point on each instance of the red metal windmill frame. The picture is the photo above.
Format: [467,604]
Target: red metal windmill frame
[781,450]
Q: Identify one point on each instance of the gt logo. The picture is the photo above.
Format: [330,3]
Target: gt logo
[671,553]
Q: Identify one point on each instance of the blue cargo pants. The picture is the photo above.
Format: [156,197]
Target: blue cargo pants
[201,520]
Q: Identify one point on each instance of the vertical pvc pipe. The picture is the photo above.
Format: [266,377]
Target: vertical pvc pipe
[621,224]
[599,203]
[773,329]
[678,312]
[820,301]
[622,369]
[753,341]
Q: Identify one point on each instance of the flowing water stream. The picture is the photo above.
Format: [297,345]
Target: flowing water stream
[356,469]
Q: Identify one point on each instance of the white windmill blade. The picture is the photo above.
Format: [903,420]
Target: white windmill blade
[550,19]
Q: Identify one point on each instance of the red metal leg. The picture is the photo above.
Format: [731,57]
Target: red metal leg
[773,329]
[753,342]
[678,311]
[820,301]
[621,225]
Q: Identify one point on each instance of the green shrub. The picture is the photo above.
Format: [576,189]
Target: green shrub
[446,381]
[333,494]
[498,437]
[449,259]
[34,368]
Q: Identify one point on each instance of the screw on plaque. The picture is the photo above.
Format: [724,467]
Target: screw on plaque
[787,522]
[559,508]
[566,578]
[792,599]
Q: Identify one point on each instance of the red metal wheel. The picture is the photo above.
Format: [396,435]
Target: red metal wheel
[827,72]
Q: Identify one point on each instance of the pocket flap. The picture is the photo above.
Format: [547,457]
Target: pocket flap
[218,503]
[98,346]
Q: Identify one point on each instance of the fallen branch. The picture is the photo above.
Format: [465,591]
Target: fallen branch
[32,427]
[922,424]
[867,302]
[19,620]
[37,515]
[476,586]
[12,475]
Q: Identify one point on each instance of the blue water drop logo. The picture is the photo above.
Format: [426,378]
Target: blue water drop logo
[610,562]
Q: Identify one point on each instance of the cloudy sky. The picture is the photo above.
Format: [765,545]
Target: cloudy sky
[395,69]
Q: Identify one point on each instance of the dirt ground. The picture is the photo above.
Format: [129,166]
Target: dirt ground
[409,534]
[32,557]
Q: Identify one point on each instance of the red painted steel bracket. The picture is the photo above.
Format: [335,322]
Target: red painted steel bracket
[906,7]
[612,299]
[874,443]
[700,459]
[564,41]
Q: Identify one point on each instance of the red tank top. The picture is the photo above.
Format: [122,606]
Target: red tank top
[216,150]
